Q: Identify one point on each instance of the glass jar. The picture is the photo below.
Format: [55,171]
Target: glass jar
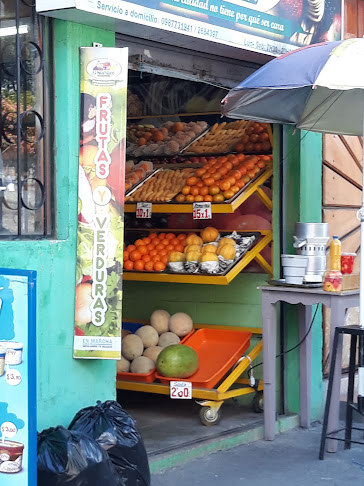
[333,280]
[347,262]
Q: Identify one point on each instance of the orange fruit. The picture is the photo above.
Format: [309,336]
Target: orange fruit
[148,267]
[209,234]
[156,258]
[204,191]
[165,242]
[240,157]
[200,172]
[218,197]
[128,265]
[234,189]
[181,236]
[135,255]
[208,198]
[240,183]
[232,180]
[170,246]
[225,185]
[125,255]
[164,259]
[150,247]
[194,240]
[179,248]
[209,181]
[228,165]
[228,194]
[146,241]
[130,248]
[170,236]
[175,241]
[190,198]
[153,253]
[143,250]
[223,170]
[153,235]
[214,190]
[139,265]
[186,190]
[198,198]
[177,127]
[138,243]
[159,247]
[195,191]
[163,252]
[146,258]
[159,266]
[216,176]
[191,181]
[180,198]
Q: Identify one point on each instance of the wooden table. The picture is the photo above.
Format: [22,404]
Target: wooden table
[303,297]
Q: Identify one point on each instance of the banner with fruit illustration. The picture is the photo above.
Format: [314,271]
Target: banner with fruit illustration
[268,26]
[98,301]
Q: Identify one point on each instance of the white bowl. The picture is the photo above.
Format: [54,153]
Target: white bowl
[294,280]
[294,261]
[294,271]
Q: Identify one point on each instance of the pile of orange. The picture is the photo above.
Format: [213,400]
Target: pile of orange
[255,139]
[150,254]
[222,177]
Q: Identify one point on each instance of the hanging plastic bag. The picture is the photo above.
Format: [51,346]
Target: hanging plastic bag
[72,458]
[117,433]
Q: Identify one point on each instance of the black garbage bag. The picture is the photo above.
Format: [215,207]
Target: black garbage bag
[117,433]
[67,457]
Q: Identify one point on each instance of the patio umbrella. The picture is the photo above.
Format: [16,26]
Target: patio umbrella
[318,88]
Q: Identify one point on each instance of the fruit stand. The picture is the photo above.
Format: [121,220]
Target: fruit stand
[222,362]
[199,168]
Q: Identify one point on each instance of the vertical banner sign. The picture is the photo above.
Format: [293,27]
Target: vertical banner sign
[97,333]
[18,431]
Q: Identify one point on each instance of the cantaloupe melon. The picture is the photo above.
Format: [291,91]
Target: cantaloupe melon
[148,335]
[132,347]
[168,338]
[180,324]
[142,364]
[152,352]
[123,365]
[159,320]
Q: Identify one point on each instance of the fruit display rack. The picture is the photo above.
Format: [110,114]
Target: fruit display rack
[223,207]
[197,278]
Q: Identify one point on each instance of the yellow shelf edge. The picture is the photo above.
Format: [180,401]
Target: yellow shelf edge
[215,208]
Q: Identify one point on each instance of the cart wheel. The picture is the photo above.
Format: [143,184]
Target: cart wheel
[258,404]
[208,416]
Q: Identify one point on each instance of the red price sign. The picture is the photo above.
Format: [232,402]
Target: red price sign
[202,210]
[181,390]
[144,210]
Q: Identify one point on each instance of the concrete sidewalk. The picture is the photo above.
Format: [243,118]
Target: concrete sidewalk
[291,459]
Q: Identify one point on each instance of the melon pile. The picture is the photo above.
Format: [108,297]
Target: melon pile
[140,350]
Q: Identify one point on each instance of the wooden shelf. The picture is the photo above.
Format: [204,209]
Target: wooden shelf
[223,208]
[249,256]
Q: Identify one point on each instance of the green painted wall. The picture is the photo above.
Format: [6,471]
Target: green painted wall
[302,197]
[64,385]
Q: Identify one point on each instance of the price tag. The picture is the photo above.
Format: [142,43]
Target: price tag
[13,377]
[180,390]
[202,210]
[144,210]
[8,430]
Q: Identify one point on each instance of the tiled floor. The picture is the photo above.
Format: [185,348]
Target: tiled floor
[168,425]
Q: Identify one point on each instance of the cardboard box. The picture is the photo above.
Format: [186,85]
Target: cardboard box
[350,282]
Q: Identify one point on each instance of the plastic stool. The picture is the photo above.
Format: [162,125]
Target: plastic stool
[355,332]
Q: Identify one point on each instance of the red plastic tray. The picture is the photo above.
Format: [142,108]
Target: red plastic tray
[217,350]
[145,377]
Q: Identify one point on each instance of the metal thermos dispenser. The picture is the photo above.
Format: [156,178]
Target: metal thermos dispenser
[310,240]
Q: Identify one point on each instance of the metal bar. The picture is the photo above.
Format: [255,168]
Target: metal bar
[18,122]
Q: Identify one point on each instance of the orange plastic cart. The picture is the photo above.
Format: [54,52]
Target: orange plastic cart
[222,362]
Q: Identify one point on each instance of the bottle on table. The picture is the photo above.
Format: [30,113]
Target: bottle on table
[333,277]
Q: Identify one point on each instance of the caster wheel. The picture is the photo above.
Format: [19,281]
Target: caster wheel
[208,416]
[258,404]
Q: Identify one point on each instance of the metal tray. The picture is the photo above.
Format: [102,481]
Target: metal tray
[282,283]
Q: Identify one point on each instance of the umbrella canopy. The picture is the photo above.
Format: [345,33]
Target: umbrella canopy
[318,88]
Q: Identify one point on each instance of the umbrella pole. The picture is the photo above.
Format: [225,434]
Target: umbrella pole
[361,301]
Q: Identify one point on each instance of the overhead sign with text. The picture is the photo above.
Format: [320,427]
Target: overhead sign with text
[104,72]
[269,26]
